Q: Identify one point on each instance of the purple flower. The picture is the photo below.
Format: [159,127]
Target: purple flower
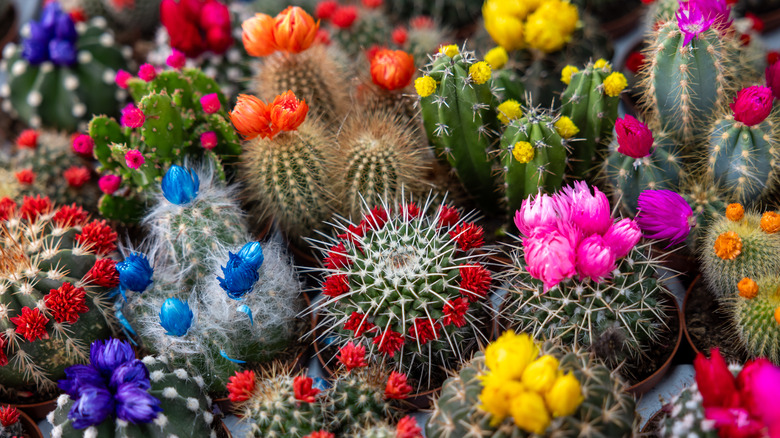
[134,372]
[752,105]
[62,52]
[716,9]
[64,29]
[49,16]
[93,406]
[78,377]
[35,49]
[773,78]
[106,356]
[692,21]
[664,215]
[135,405]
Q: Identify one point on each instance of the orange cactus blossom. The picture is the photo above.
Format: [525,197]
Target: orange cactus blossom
[294,30]
[258,35]
[251,117]
[287,112]
[392,69]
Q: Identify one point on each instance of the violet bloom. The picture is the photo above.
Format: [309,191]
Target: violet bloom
[588,211]
[622,237]
[135,405]
[133,372]
[773,78]
[78,377]
[94,406]
[718,10]
[549,257]
[664,215]
[106,356]
[633,137]
[692,21]
[595,259]
[535,211]
[752,105]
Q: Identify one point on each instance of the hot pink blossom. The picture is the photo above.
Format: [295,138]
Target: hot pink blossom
[176,59]
[759,383]
[595,259]
[773,78]
[692,21]
[633,137]
[208,140]
[536,211]
[210,103]
[147,72]
[83,144]
[132,117]
[588,211]
[121,78]
[752,105]
[622,237]
[134,159]
[550,257]
[109,183]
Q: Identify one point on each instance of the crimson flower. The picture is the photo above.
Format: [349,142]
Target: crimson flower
[455,312]
[335,285]
[337,257]
[352,356]
[397,386]
[474,282]
[34,207]
[358,323]
[303,390]
[752,105]
[98,236]
[241,386]
[424,330]
[389,342]
[69,216]
[103,273]
[468,236]
[31,324]
[66,303]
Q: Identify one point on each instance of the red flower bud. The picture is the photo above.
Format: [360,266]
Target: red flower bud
[752,105]
[634,137]
[392,69]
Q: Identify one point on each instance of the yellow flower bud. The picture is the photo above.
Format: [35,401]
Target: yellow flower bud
[450,50]
[541,374]
[506,31]
[566,128]
[614,84]
[602,63]
[480,72]
[545,35]
[509,110]
[510,354]
[517,9]
[565,396]
[564,14]
[530,413]
[567,73]
[523,152]
[496,398]
[425,86]
[497,57]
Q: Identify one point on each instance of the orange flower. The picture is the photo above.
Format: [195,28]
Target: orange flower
[392,69]
[728,245]
[287,112]
[770,222]
[294,30]
[777,315]
[747,288]
[251,118]
[258,35]
[734,212]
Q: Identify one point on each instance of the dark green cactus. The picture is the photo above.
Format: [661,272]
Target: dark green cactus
[451,13]
[707,204]
[371,28]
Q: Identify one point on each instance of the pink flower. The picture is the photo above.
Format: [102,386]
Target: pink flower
[550,257]
[132,117]
[208,140]
[622,237]
[121,78]
[718,10]
[752,105]
[176,59]
[147,72]
[589,212]
[692,21]
[535,212]
[634,138]
[110,183]
[734,422]
[134,159]
[83,144]
[595,259]
[759,383]
[773,78]
[210,103]
[715,381]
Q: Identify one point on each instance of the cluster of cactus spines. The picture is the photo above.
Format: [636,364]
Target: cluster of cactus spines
[371,28]
[55,281]
[756,317]
[63,97]
[586,102]
[406,281]
[707,203]
[173,123]
[461,122]
[629,177]
[608,410]
[686,418]
[735,247]
[620,319]
[742,159]
[140,17]
[683,85]
[186,409]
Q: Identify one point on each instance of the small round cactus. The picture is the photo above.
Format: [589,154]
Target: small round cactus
[755,312]
[686,417]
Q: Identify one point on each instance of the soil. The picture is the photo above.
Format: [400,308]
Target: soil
[661,351]
[708,324]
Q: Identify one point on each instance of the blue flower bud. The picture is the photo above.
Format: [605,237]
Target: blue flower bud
[49,17]
[252,254]
[240,277]
[134,372]
[62,52]
[180,185]
[106,356]
[135,405]
[176,317]
[94,406]
[135,272]
[78,377]
[35,49]
[64,29]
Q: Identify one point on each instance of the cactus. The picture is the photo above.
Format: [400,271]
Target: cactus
[55,280]
[451,13]
[423,37]
[171,127]
[593,109]
[370,28]
[183,409]
[62,89]
[687,405]
[407,427]
[409,282]
[10,426]
[141,17]
[734,249]
[707,204]
[756,320]
[607,410]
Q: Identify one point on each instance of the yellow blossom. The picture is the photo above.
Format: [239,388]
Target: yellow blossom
[514,8]
[530,413]
[510,354]
[506,31]
[544,34]
[450,50]
[541,374]
[523,152]
[425,86]
[566,128]
[567,73]
[614,84]
[497,57]
[509,110]
[602,63]
[564,14]
[496,398]
[565,396]
[480,72]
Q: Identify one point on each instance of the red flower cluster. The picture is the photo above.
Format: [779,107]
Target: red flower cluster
[320,434]
[397,387]
[3,357]
[358,323]
[352,356]
[66,303]
[103,273]
[98,236]
[8,415]
[468,236]
[252,117]
[455,312]
[408,428]
[303,390]
[31,324]
[197,26]
[376,218]
[70,216]
[241,386]
[32,208]
[354,232]
[335,285]
[77,176]
[424,330]
[389,342]
[7,208]
[474,282]
[410,211]
[448,216]
[337,257]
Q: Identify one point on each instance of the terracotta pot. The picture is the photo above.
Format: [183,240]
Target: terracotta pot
[38,411]
[624,24]
[10,25]
[29,427]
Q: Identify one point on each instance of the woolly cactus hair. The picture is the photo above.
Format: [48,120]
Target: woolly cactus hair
[63,88]
[184,408]
[406,280]
[756,318]
[686,416]
[607,408]
[55,280]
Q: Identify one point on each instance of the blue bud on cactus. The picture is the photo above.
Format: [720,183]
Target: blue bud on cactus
[64,29]
[79,376]
[135,404]
[240,276]
[93,406]
[49,17]
[62,52]
[176,317]
[180,185]
[134,372]
[106,356]
[252,254]
[135,272]
[36,48]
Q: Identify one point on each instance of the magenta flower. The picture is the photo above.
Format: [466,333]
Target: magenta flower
[121,78]
[536,211]
[752,105]
[588,211]
[134,159]
[210,103]
[208,140]
[132,117]
[83,144]
[773,78]
[595,259]
[692,21]
[664,215]
[110,183]
[634,137]
[176,59]
[718,10]
[147,72]
[622,237]
[759,382]
[550,257]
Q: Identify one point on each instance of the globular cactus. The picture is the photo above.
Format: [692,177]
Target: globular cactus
[154,399]
[141,17]
[407,427]
[59,78]
[450,13]
[607,409]
[741,244]
[408,282]
[688,406]
[370,28]
[55,281]
[179,115]
[707,204]
[754,307]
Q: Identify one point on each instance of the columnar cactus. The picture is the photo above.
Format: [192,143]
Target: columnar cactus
[707,203]
[55,280]
[755,312]
[62,73]
[147,397]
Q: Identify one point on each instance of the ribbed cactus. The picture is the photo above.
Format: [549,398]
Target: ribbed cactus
[62,83]
[55,279]
[607,409]
[687,417]
[357,399]
[707,204]
[185,410]
[755,313]
[170,124]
